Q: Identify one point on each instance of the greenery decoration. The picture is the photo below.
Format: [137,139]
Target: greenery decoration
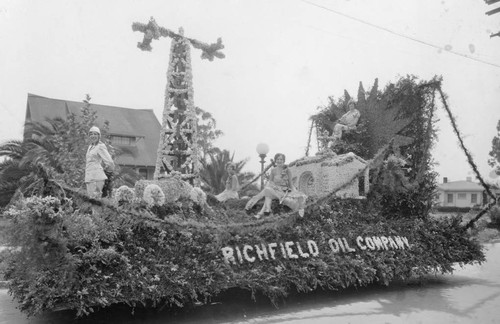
[402,116]
[128,255]
[82,254]
[494,214]
[152,31]
[494,160]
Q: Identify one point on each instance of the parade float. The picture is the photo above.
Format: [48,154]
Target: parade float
[166,243]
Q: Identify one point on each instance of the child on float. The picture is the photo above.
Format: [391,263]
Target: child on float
[279,186]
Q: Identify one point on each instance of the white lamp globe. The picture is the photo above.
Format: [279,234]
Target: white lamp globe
[262,148]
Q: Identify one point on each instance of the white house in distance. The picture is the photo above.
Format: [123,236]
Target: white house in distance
[464,193]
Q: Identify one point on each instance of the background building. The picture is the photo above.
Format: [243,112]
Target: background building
[136,132]
[463,193]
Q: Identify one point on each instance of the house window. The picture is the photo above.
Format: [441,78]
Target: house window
[461,196]
[450,198]
[473,198]
[143,173]
[122,140]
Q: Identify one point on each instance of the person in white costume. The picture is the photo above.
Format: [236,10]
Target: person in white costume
[97,160]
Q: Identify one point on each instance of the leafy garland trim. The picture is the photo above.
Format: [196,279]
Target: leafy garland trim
[153,31]
[469,159]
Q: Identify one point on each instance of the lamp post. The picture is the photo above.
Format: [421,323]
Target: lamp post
[262,150]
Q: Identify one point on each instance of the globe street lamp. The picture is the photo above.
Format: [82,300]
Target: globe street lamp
[262,150]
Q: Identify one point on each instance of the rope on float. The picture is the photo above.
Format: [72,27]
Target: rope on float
[309,138]
[257,177]
[469,159]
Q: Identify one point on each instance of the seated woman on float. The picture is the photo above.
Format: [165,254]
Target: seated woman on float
[232,185]
[279,186]
[348,121]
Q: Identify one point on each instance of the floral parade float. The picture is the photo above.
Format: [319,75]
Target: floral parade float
[166,243]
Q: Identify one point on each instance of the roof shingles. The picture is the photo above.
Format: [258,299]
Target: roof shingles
[139,123]
[460,186]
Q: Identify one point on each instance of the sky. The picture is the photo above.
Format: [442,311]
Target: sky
[284,58]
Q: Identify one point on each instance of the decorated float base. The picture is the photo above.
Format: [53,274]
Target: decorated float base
[97,256]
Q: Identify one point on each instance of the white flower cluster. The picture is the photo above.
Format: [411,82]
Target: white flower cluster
[124,194]
[394,160]
[198,196]
[153,195]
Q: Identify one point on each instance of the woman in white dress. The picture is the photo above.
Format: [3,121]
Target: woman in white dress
[97,160]
[232,184]
[280,186]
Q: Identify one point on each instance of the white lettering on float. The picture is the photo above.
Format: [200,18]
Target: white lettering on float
[261,251]
[271,247]
[289,251]
[313,248]
[245,253]
[295,250]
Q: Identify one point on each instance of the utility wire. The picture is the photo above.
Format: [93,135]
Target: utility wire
[399,34]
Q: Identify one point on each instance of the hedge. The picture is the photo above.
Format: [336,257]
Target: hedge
[87,258]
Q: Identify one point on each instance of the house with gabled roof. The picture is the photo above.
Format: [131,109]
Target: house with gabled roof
[136,132]
[463,193]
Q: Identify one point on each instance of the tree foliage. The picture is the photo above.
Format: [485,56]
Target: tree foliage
[402,116]
[214,174]
[207,131]
[494,160]
[54,149]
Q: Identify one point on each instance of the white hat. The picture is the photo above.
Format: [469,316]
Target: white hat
[95,129]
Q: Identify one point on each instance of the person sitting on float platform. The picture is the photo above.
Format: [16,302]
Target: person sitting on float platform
[279,186]
[232,184]
[348,121]
[97,156]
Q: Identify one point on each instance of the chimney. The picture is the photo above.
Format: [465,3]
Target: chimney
[469,179]
[445,179]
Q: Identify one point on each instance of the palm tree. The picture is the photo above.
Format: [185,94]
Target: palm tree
[10,175]
[27,164]
[48,152]
[213,172]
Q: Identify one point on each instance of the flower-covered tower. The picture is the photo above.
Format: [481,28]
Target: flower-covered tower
[178,149]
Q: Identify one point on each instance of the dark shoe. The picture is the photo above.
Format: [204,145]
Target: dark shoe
[267,213]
